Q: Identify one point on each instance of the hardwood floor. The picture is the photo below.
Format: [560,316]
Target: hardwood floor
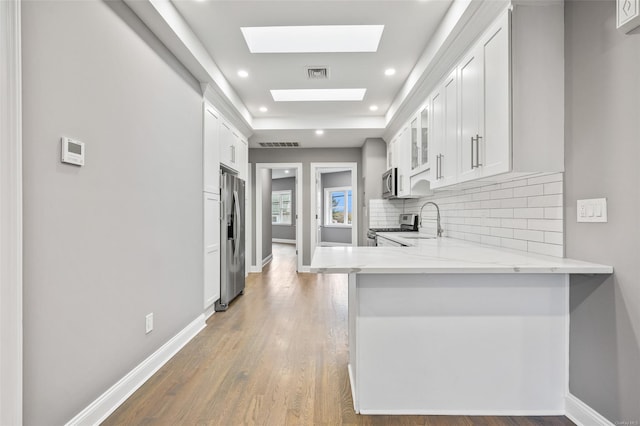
[278,356]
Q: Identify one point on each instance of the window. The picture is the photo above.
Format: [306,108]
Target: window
[337,206]
[281,207]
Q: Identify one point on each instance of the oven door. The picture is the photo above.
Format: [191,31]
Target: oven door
[389,183]
[372,239]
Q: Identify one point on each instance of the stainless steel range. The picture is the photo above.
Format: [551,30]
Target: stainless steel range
[408,223]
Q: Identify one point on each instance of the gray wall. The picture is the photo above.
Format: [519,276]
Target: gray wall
[374,163]
[328,233]
[266,216]
[306,156]
[285,232]
[121,237]
[602,156]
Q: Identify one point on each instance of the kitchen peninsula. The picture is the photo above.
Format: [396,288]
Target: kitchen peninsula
[452,327]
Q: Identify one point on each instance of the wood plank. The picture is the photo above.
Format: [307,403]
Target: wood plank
[278,356]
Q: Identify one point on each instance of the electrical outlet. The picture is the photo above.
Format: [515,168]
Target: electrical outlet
[149,323]
[594,210]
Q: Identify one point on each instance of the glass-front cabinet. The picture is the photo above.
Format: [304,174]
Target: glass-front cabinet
[420,141]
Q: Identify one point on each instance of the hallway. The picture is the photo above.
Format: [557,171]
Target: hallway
[277,356]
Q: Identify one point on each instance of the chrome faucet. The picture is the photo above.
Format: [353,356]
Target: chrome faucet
[438,227]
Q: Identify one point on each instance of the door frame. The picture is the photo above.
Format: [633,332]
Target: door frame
[314,170]
[11,310]
[258,223]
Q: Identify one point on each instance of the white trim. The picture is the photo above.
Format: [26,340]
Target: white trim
[267,260]
[313,173]
[305,269]
[209,311]
[283,241]
[10,214]
[326,213]
[109,401]
[418,412]
[258,208]
[583,415]
[353,389]
[253,269]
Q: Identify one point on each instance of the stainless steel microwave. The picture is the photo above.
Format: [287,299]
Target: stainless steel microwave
[390,183]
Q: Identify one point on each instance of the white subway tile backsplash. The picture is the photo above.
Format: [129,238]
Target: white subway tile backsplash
[528,235]
[514,223]
[513,202]
[546,201]
[524,214]
[553,188]
[529,191]
[553,213]
[545,225]
[528,213]
[553,237]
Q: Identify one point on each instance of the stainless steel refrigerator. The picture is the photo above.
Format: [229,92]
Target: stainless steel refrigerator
[231,239]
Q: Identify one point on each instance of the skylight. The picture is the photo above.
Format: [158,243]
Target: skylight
[313,38]
[307,95]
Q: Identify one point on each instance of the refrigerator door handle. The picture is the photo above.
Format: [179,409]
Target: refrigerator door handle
[236,218]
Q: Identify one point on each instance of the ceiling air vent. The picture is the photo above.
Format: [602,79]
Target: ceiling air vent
[279,144]
[317,73]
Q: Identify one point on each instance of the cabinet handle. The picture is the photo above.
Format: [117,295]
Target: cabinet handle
[438,166]
[478,137]
[473,166]
[440,160]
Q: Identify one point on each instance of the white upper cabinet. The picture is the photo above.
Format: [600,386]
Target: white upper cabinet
[211,150]
[403,147]
[444,132]
[243,158]
[485,105]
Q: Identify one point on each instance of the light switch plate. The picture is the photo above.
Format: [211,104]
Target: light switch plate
[593,210]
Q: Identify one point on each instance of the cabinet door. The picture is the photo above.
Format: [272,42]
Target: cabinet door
[495,145]
[226,144]
[403,154]
[415,144]
[211,150]
[243,159]
[211,249]
[437,136]
[470,114]
[449,149]
[425,124]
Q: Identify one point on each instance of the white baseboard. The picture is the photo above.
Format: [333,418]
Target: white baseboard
[305,268]
[331,244]
[483,413]
[107,403]
[283,241]
[253,269]
[353,389]
[267,259]
[209,311]
[583,415]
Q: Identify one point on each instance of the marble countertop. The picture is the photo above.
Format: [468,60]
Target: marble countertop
[445,256]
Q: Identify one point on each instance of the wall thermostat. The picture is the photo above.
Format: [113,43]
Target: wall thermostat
[72,151]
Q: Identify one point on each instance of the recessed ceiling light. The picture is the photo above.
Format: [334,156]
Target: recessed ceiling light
[319,132]
[389,71]
[286,171]
[373,108]
[263,109]
[301,95]
[313,38]
[243,74]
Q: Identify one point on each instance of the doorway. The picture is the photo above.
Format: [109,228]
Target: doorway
[334,204]
[278,189]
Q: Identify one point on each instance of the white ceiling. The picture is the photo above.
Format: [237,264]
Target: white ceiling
[408,26]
